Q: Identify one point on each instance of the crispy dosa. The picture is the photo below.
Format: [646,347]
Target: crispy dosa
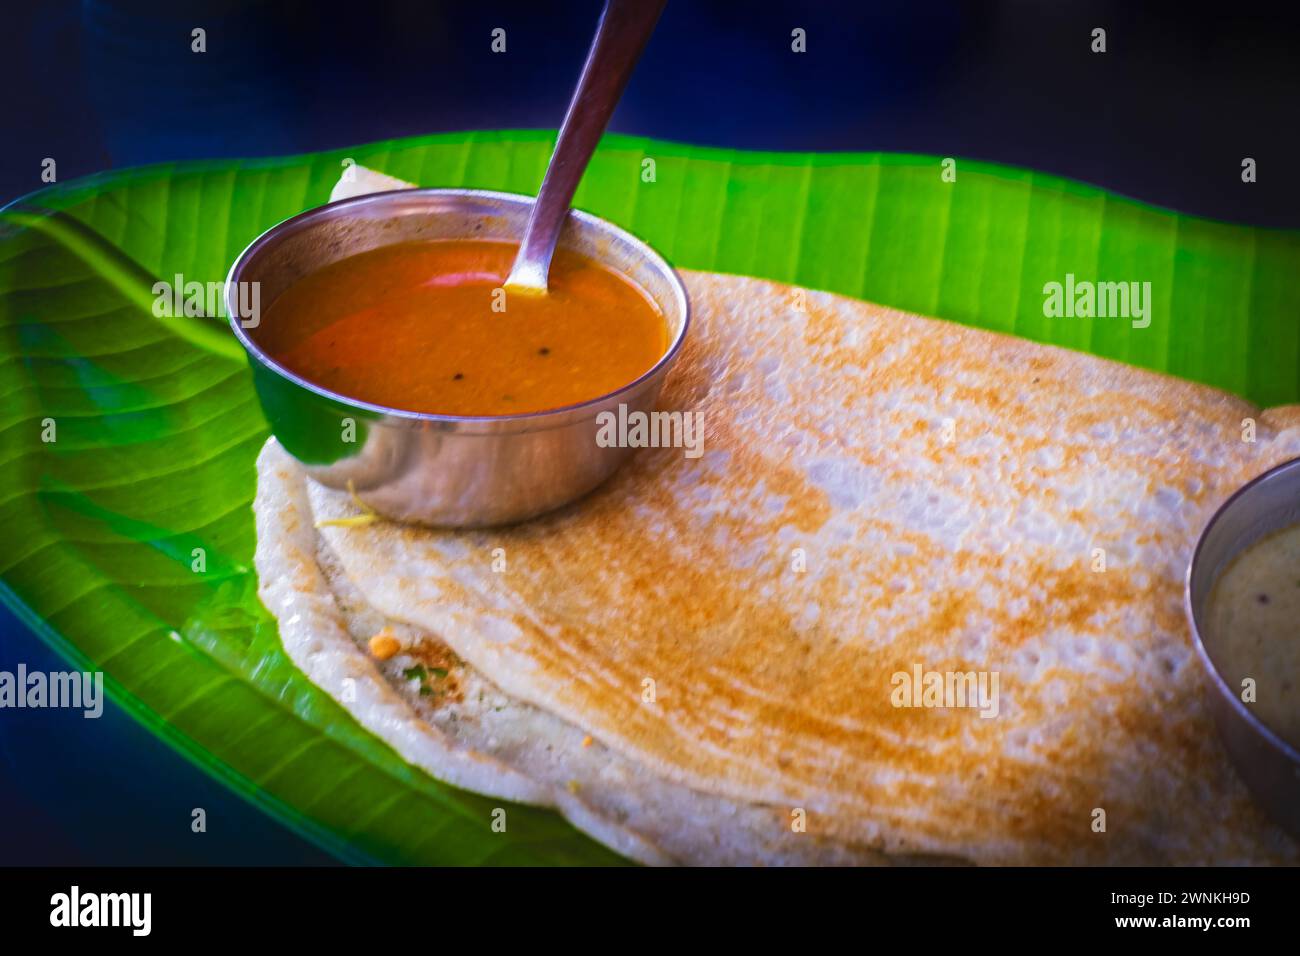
[879,493]
[471,734]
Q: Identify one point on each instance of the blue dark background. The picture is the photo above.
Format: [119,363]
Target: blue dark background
[1165,115]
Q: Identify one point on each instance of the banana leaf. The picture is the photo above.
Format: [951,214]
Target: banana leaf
[129,439]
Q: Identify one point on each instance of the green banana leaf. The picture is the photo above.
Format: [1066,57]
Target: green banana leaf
[128,538]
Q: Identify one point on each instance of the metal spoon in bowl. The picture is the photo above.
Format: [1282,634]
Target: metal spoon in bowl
[625,26]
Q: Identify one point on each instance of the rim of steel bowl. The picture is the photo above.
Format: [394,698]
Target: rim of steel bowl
[1221,685]
[304,220]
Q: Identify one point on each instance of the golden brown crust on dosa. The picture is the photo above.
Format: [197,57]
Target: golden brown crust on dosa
[947,490]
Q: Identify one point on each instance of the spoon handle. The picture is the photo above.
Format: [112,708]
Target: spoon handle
[625,26]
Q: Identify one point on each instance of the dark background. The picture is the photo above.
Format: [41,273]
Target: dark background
[1182,94]
[1166,115]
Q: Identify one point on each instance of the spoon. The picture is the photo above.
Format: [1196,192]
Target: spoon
[625,26]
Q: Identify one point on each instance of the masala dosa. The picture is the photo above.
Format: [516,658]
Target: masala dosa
[878,492]
[474,736]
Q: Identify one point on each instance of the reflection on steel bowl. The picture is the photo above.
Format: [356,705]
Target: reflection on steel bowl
[445,470]
[1238,580]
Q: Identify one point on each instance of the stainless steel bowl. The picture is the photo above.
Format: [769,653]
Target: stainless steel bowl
[443,470]
[1269,765]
